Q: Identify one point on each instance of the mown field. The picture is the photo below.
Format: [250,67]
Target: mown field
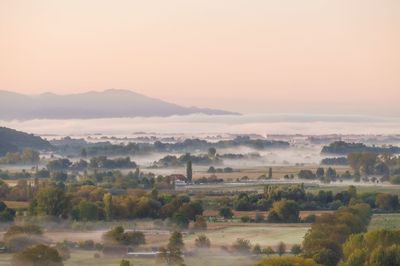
[263,234]
[390,221]
[86,258]
[221,235]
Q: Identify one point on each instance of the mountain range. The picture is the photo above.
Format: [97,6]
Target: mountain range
[105,104]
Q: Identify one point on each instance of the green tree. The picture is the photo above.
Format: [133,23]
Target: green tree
[257,249]
[268,251]
[6,214]
[362,162]
[328,257]
[226,212]
[284,211]
[270,173]
[59,176]
[170,257]
[352,191]
[120,236]
[323,242]
[306,174]
[212,152]
[331,173]
[88,211]
[175,241]
[59,165]
[191,209]
[39,255]
[172,254]
[181,220]
[133,238]
[125,263]
[52,201]
[281,248]
[108,206]
[114,234]
[381,256]
[202,241]
[242,246]
[200,223]
[4,189]
[63,250]
[30,156]
[320,172]
[386,201]
[211,170]
[377,247]
[296,249]
[83,153]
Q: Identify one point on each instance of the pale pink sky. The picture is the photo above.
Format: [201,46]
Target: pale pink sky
[242,55]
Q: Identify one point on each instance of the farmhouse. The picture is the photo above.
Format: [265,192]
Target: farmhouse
[177,180]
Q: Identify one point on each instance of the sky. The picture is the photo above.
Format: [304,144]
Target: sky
[258,56]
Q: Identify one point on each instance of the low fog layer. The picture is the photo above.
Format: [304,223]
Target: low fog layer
[201,124]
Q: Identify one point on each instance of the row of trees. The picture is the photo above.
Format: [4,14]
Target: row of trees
[91,203]
[368,163]
[82,148]
[101,162]
[27,156]
[309,201]
[345,148]
[324,175]
[114,181]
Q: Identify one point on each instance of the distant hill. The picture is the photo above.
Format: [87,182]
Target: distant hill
[12,140]
[106,104]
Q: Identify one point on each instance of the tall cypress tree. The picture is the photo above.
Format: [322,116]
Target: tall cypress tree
[270,173]
[108,207]
[189,171]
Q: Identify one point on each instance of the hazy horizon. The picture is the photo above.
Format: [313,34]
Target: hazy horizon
[320,57]
[213,124]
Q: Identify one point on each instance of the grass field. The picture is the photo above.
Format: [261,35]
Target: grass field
[86,258]
[222,235]
[262,234]
[153,237]
[390,221]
